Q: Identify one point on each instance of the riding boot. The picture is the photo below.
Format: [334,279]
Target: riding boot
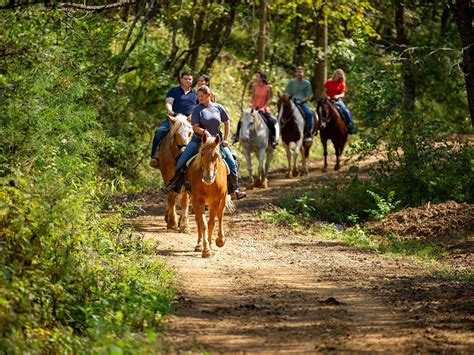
[273,140]
[233,187]
[176,182]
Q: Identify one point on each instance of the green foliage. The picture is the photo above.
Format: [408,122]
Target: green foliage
[384,206]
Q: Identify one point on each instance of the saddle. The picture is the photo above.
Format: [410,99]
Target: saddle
[315,120]
[188,163]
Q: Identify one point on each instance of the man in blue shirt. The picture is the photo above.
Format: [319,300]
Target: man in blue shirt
[180,99]
[301,91]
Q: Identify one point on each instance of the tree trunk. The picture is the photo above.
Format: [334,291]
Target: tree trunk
[406,57]
[198,34]
[262,33]
[463,15]
[320,64]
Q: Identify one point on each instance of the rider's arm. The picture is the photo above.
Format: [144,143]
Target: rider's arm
[308,93]
[199,130]
[269,97]
[253,97]
[169,105]
[226,131]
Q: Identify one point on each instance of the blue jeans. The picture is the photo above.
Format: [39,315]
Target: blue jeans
[193,148]
[159,134]
[345,111]
[309,116]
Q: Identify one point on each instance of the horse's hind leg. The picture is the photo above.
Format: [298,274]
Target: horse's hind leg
[171,212]
[220,241]
[248,157]
[268,160]
[183,220]
[199,216]
[261,172]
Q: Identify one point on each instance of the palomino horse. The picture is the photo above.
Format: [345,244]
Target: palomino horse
[207,178]
[255,136]
[292,124]
[333,127]
[171,146]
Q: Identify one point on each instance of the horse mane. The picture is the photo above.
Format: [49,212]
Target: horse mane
[180,120]
[254,115]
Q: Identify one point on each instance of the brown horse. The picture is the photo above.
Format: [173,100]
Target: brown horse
[207,178]
[292,124]
[171,146]
[333,127]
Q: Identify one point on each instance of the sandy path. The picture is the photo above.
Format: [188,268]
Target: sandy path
[271,290]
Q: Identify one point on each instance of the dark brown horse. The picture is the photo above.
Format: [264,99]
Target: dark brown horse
[333,127]
[292,123]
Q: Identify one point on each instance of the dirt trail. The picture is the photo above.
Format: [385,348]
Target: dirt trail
[270,290]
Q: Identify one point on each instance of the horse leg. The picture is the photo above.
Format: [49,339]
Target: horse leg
[261,174]
[199,216]
[220,241]
[303,160]
[325,149]
[268,160]
[171,212]
[248,157]
[337,148]
[211,223]
[298,148]
[183,220]
[288,156]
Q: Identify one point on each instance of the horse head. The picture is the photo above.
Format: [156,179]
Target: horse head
[250,122]
[210,155]
[325,112]
[285,108]
[181,131]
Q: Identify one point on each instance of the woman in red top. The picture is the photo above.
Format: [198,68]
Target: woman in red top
[336,89]
[261,98]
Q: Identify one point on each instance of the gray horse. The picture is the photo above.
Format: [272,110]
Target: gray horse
[254,137]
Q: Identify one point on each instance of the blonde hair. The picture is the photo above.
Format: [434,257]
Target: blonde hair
[339,73]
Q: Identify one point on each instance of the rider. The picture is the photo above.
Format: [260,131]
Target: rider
[301,91]
[179,99]
[206,119]
[336,90]
[204,79]
[261,98]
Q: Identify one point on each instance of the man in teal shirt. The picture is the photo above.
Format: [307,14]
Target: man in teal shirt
[301,91]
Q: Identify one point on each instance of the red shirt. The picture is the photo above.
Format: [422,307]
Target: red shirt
[334,87]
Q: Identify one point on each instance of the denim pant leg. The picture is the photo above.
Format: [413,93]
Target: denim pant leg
[229,159]
[159,134]
[191,150]
[345,111]
[309,116]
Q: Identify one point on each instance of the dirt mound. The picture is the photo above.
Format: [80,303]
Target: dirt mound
[444,220]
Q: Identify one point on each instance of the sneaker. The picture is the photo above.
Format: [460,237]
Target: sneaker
[235,139]
[154,163]
[274,144]
[308,139]
[351,129]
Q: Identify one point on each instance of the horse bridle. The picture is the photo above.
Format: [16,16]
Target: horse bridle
[214,172]
[179,146]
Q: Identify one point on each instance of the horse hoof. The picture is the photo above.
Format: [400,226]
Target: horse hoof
[220,242]
[198,248]
[172,226]
[206,253]
[295,173]
[337,167]
[288,175]
[184,229]
[265,184]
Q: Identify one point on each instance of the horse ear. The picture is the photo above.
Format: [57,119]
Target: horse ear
[172,119]
[204,138]
[189,118]
[279,94]
[217,140]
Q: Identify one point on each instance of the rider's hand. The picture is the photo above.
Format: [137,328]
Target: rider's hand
[225,143]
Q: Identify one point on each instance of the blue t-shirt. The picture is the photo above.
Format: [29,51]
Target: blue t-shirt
[183,103]
[209,117]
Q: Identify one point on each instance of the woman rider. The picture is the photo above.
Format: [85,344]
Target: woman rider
[336,90]
[206,118]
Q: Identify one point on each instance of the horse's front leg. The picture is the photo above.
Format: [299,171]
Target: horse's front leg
[337,148]
[303,160]
[288,157]
[298,147]
[324,142]
[268,161]
[220,241]
[171,212]
[183,220]
[207,250]
[200,221]
[261,173]
[248,157]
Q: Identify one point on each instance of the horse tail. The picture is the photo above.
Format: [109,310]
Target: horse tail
[229,204]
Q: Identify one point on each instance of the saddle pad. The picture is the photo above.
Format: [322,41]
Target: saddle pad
[188,163]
